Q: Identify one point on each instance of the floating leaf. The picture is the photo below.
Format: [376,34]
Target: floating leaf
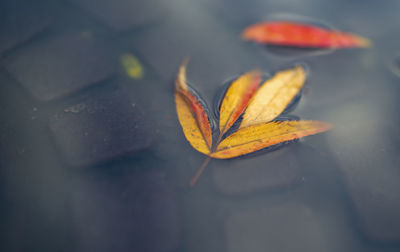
[192,115]
[236,99]
[274,96]
[132,66]
[259,105]
[294,34]
[257,137]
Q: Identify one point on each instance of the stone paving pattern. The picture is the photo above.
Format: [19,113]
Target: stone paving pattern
[124,14]
[113,213]
[284,228]
[93,160]
[267,171]
[59,65]
[20,22]
[101,128]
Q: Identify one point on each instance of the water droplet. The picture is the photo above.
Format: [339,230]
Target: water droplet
[76,108]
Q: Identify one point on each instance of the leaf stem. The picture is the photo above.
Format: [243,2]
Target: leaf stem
[205,163]
[199,172]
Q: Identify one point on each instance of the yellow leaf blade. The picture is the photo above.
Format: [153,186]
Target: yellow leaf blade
[257,137]
[273,96]
[189,126]
[237,98]
[191,114]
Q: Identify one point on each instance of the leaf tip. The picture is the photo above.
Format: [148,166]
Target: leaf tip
[185,61]
[300,68]
[255,77]
[322,126]
[256,74]
[363,42]
[252,33]
[180,82]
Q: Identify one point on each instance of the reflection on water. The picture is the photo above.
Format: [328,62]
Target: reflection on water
[337,191]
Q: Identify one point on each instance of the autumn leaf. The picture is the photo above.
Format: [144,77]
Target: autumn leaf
[294,34]
[274,96]
[237,98]
[256,137]
[192,116]
[258,104]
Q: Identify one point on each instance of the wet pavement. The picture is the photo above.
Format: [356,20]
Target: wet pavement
[94,160]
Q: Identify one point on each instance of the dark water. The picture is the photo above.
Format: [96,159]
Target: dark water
[92,159]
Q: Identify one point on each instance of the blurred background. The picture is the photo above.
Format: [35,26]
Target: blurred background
[92,156]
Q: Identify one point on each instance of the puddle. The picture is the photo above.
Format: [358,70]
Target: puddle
[394,65]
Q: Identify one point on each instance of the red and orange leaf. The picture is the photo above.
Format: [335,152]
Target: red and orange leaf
[191,114]
[237,98]
[257,137]
[301,35]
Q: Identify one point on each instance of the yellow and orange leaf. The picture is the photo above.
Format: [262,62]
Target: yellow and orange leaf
[273,96]
[256,131]
[257,137]
[236,99]
[288,33]
[192,116]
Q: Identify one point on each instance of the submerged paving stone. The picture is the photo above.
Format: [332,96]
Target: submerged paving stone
[126,212]
[215,56]
[173,149]
[315,99]
[123,14]
[367,151]
[288,227]
[101,128]
[20,21]
[262,171]
[59,65]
